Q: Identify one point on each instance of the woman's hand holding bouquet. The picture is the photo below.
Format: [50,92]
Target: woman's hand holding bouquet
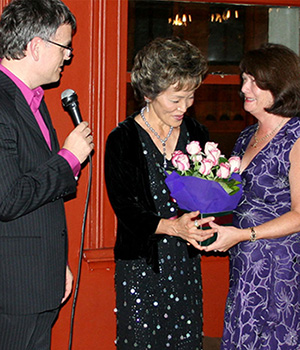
[186,227]
[205,181]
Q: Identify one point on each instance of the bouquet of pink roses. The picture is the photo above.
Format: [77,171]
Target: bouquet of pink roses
[205,181]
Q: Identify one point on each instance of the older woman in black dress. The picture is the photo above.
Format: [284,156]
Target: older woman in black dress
[158,276]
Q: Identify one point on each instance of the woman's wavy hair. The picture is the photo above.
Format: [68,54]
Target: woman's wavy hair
[22,20]
[165,62]
[276,68]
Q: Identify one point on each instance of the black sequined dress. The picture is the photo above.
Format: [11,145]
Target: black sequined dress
[160,310]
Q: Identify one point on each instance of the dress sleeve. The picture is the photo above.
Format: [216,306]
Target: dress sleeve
[128,186]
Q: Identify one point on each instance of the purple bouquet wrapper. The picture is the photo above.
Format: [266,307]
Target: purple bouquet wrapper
[192,193]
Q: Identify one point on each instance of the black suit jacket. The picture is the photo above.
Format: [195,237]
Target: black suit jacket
[33,182]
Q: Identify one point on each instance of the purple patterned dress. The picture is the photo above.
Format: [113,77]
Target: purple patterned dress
[263,304]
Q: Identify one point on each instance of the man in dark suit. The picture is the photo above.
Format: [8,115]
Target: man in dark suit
[35,174]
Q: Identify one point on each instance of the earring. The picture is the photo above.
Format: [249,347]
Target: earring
[147,104]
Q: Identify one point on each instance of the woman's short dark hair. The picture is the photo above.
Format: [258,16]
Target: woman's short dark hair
[276,68]
[22,20]
[166,62]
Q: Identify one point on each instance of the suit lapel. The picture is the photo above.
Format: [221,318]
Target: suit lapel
[26,114]
[46,116]
[21,105]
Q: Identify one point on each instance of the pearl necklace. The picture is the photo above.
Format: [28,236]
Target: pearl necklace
[266,136]
[163,141]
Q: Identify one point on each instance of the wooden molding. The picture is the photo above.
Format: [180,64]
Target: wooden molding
[99,258]
[107,107]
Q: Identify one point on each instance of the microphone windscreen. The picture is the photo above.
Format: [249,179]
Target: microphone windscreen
[67,93]
[68,96]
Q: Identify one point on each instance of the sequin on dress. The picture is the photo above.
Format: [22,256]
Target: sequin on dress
[160,310]
[263,305]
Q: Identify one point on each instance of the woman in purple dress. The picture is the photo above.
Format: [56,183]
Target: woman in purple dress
[263,304]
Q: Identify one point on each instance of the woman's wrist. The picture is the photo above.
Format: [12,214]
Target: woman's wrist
[167,227]
[248,234]
[162,227]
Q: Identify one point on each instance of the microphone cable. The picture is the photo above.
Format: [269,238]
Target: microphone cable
[81,251]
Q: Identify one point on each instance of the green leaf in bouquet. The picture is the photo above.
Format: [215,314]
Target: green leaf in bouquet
[234,189]
[222,159]
[230,186]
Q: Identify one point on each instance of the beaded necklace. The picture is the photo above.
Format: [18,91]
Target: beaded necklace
[266,136]
[163,141]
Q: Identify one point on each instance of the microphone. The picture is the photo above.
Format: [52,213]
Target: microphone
[70,103]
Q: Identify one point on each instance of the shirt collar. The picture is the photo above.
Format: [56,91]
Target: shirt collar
[33,97]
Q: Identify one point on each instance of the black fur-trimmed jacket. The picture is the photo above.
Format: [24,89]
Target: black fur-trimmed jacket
[127,182]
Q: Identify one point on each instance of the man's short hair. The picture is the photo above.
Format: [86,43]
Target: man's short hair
[22,20]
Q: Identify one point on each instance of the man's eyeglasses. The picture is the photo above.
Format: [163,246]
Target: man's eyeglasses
[69,48]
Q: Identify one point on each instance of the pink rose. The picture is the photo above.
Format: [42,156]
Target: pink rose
[209,146]
[175,153]
[206,165]
[235,164]
[224,171]
[193,148]
[197,158]
[214,156]
[180,161]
